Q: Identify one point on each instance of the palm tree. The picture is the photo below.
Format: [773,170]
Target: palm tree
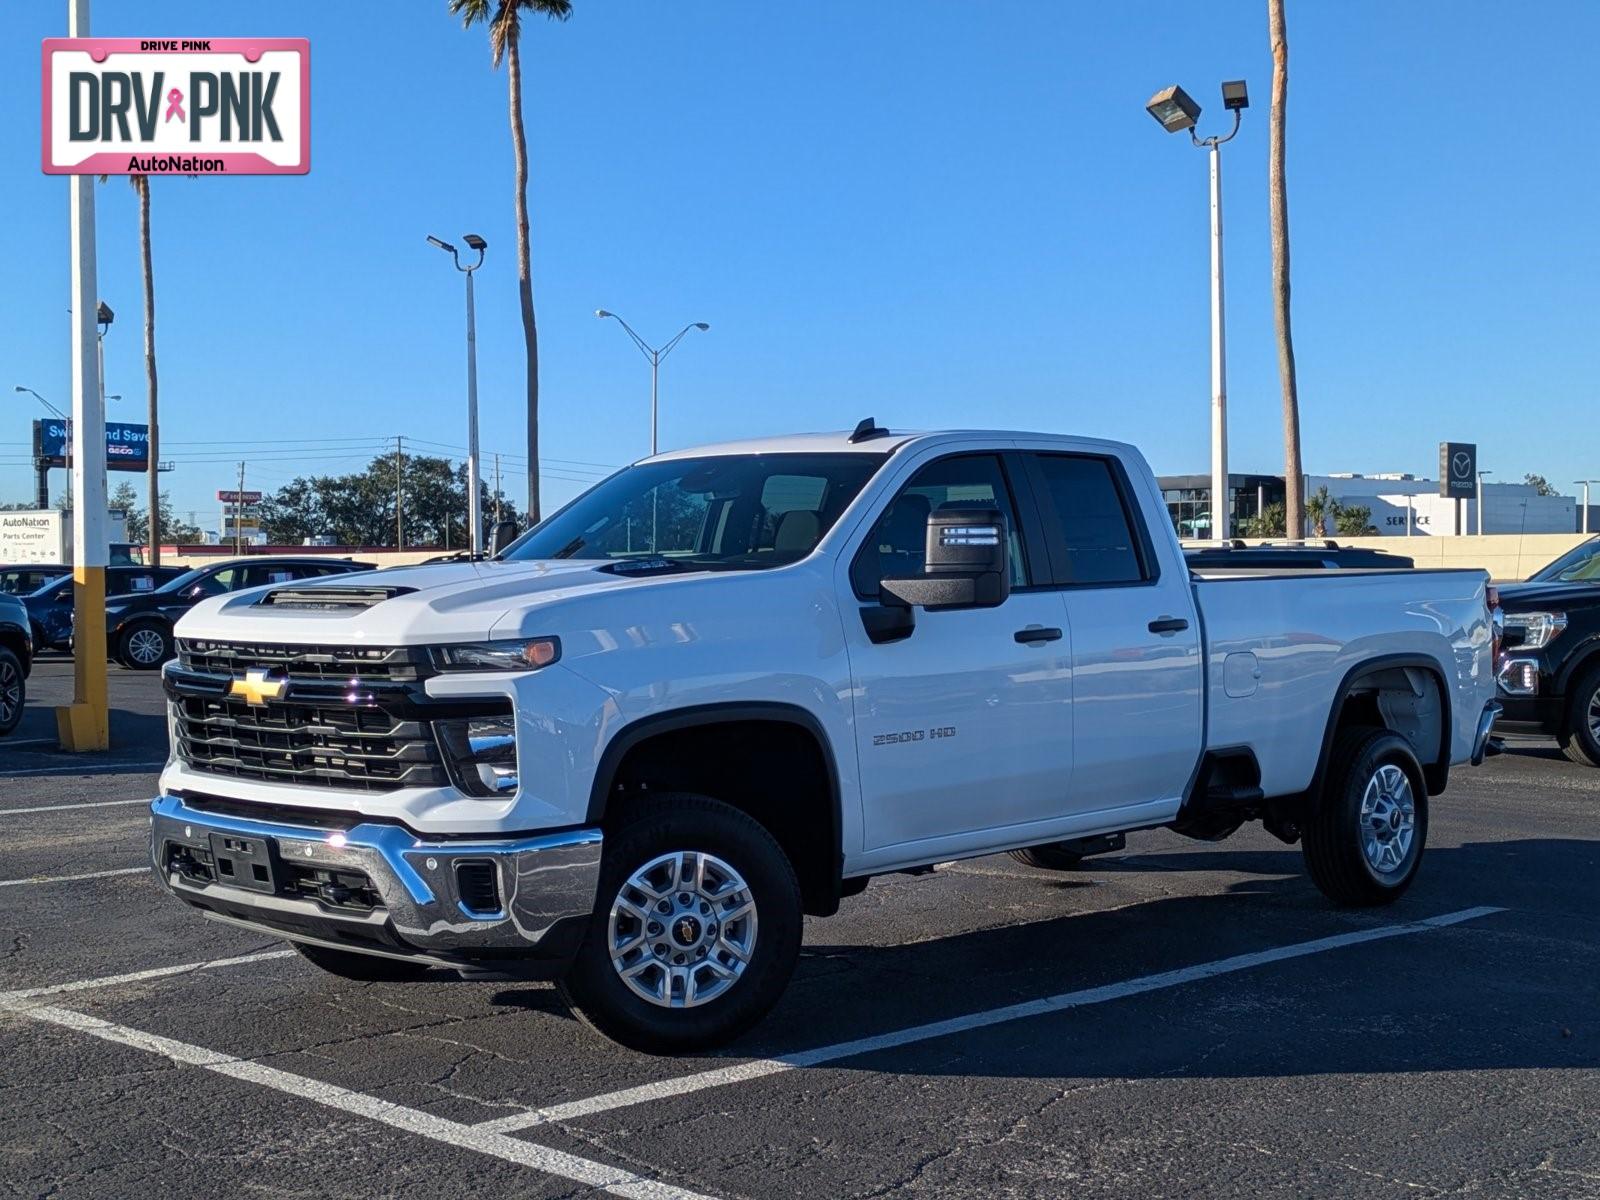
[1323,510]
[141,185]
[1278,202]
[505,32]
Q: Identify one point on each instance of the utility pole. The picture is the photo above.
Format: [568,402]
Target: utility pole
[497,488]
[85,723]
[399,493]
[238,514]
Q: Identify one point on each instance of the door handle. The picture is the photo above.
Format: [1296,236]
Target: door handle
[1168,625]
[1037,633]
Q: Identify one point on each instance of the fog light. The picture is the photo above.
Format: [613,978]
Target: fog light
[1519,677]
[481,753]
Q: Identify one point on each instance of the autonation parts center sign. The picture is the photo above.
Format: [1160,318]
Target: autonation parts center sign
[154,106]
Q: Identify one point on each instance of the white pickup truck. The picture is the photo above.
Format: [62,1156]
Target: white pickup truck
[727,686]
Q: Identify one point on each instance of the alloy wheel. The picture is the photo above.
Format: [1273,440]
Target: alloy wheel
[1388,819]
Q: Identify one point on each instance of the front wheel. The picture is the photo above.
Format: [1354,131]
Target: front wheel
[13,690]
[696,927]
[144,647]
[1580,738]
[1364,842]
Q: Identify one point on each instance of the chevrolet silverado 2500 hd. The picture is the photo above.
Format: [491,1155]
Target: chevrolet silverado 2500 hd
[726,686]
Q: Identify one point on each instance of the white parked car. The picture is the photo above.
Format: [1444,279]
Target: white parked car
[727,686]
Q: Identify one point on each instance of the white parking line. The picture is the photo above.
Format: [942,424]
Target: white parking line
[11,812]
[759,1068]
[12,1000]
[452,1133]
[72,878]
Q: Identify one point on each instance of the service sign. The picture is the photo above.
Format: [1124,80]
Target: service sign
[177,106]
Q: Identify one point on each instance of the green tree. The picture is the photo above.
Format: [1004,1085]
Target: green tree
[168,527]
[1539,484]
[1268,523]
[504,18]
[1321,508]
[1354,521]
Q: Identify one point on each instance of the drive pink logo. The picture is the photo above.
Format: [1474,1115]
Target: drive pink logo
[153,106]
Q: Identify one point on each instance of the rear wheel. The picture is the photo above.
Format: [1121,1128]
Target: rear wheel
[696,927]
[144,646]
[365,968]
[13,690]
[1051,856]
[1580,739]
[1364,842]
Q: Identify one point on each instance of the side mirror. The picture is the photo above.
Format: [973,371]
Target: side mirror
[967,562]
[500,536]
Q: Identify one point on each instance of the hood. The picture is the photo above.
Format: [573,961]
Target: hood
[1537,597]
[445,602]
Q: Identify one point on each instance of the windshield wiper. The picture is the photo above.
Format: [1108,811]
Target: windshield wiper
[570,548]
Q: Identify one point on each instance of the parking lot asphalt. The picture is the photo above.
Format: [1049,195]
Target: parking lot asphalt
[1179,1019]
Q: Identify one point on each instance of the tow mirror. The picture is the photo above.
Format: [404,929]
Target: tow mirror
[967,563]
[500,536]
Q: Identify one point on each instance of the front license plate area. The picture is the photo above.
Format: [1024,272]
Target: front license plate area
[243,862]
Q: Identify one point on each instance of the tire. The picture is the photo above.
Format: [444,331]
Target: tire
[1580,736]
[1051,856]
[364,968]
[1371,769]
[659,843]
[13,690]
[144,646]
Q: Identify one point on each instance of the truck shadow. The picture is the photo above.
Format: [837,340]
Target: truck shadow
[1430,1001]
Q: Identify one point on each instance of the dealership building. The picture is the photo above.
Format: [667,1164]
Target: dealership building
[1402,505]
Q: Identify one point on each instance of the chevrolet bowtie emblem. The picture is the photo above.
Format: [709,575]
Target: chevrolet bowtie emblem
[257,686]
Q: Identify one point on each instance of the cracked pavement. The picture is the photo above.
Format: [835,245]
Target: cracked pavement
[1461,1061]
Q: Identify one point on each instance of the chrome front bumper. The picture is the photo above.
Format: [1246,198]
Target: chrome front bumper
[543,896]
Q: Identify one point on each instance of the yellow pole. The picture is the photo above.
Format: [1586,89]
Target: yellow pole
[85,723]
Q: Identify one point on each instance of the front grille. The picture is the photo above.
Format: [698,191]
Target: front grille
[347,746]
[337,663]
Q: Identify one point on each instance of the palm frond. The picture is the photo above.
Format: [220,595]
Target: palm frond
[505,25]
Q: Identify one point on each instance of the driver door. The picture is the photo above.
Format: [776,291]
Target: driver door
[964,727]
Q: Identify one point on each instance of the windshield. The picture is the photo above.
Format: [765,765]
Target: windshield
[726,512]
[1580,563]
[186,580]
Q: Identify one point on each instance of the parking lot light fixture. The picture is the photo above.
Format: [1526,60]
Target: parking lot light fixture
[474,503]
[1584,517]
[655,355]
[1177,111]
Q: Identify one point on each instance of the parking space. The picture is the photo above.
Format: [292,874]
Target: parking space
[1177,1019]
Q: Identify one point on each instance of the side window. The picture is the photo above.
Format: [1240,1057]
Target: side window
[259,576]
[1084,499]
[898,543]
[226,579]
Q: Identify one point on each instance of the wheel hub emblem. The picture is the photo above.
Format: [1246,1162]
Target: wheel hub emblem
[686,931]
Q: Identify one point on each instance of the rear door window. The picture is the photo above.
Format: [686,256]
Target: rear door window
[1089,518]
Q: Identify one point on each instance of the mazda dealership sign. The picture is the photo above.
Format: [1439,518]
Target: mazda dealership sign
[1458,470]
[184,106]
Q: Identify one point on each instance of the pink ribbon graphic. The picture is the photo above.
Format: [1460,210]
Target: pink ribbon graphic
[174,106]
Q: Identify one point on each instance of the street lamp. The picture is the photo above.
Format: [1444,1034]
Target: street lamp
[474,516]
[41,472]
[1481,474]
[1586,482]
[103,317]
[655,356]
[1176,111]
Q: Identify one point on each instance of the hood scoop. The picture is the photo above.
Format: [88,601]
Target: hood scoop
[331,599]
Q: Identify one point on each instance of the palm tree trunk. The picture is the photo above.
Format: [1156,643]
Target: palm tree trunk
[142,183]
[1278,202]
[530,331]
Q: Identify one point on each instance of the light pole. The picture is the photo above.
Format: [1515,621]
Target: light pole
[1481,474]
[474,517]
[41,471]
[1177,111]
[103,317]
[1584,527]
[655,356]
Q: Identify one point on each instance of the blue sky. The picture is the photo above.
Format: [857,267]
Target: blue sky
[935,213]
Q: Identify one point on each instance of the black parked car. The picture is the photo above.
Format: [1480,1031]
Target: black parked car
[50,606]
[1293,556]
[139,625]
[18,579]
[1550,671]
[16,660]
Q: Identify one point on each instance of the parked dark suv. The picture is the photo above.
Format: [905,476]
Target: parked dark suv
[1318,555]
[16,660]
[1550,672]
[139,625]
[50,606]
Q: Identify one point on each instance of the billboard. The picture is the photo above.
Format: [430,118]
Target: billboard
[176,106]
[127,446]
[1458,470]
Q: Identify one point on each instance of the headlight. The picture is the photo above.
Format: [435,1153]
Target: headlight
[1534,630]
[517,654]
[481,753]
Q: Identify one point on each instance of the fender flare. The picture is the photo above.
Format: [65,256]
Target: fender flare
[1437,771]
